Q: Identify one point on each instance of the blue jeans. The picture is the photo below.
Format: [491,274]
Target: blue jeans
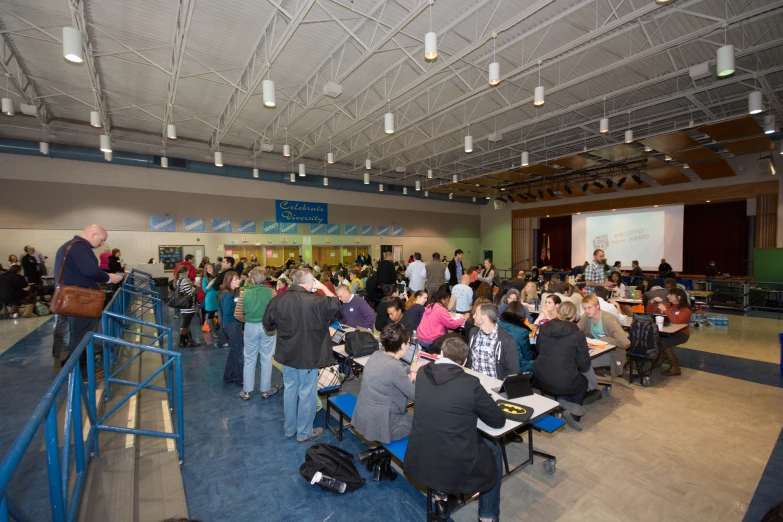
[489,501]
[299,401]
[257,341]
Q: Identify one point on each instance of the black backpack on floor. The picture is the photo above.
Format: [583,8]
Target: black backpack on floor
[332,462]
[645,341]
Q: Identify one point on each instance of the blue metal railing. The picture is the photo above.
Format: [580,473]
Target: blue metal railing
[132,301]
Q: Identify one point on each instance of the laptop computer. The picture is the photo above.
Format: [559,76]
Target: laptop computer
[338,337]
[410,356]
[515,386]
[727,275]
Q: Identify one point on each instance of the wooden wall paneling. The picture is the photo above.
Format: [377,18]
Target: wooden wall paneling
[766,221]
[522,242]
[684,197]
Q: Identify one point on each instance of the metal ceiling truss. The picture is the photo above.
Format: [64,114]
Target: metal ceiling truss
[623,62]
[184,17]
[81,22]
[264,55]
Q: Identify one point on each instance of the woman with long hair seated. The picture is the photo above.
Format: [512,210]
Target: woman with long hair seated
[678,310]
[414,310]
[512,320]
[549,310]
[437,320]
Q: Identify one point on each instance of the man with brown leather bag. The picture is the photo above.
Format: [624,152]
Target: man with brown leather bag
[77,277]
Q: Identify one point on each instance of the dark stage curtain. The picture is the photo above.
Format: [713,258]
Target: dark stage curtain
[558,230]
[716,232]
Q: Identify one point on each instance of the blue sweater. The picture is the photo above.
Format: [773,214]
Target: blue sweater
[358,313]
[81,266]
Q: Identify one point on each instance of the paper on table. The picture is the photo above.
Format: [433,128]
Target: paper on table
[596,342]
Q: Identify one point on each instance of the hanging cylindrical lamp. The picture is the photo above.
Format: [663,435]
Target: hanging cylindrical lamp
[647,148]
[292,178]
[525,158]
[105,143]
[538,96]
[329,158]
[268,89]
[286,151]
[454,178]
[380,187]
[430,46]
[629,136]
[725,61]
[164,162]
[405,190]
[468,144]
[429,173]
[388,123]
[769,124]
[255,173]
[494,73]
[302,172]
[73,49]
[108,155]
[218,159]
[95,118]
[368,164]
[755,102]
[43,147]
[8,106]
[474,199]
[604,126]
[426,194]
[366,178]
[451,196]
[171,132]
[326,182]
[418,185]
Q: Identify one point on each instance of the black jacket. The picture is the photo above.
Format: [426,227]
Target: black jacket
[373,291]
[517,283]
[562,358]
[115,267]
[711,271]
[445,451]
[302,319]
[387,274]
[453,280]
[664,268]
[507,360]
[382,318]
[30,268]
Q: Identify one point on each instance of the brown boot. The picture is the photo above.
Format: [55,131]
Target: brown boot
[674,369]
[659,361]
[28,310]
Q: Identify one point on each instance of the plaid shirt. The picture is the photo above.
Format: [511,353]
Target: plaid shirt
[595,273]
[483,352]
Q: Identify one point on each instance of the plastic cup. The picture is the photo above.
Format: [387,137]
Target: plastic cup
[659,322]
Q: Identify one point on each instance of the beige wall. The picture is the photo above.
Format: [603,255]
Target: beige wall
[47,201]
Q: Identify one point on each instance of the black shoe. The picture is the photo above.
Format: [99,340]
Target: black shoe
[444,508]
[383,471]
[513,437]
[191,343]
[183,341]
[370,457]
[593,396]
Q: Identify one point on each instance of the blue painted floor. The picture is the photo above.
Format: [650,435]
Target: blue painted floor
[759,372]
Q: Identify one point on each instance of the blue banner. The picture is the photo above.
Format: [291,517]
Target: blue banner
[163,224]
[194,225]
[300,212]
[333,229]
[288,228]
[270,227]
[221,225]
[397,231]
[247,226]
[318,229]
[350,230]
[368,230]
[383,231]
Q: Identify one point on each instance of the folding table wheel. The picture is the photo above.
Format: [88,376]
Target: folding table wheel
[550,467]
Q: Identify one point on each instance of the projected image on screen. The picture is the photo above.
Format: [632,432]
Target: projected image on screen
[626,237]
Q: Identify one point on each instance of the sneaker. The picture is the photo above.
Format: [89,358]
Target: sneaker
[571,421]
[317,432]
[572,408]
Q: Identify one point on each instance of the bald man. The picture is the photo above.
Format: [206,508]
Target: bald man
[80,268]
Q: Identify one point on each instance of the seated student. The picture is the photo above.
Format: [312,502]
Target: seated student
[387,384]
[437,320]
[469,324]
[608,305]
[513,322]
[529,294]
[445,451]
[461,296]
[549,310]
[563,357]
[374,292]
[391,296]
[493,351]
[601,325]
[355,283]
[355,311]
[512,296]
[326,282]
[573,294]
[414,310]
[678,310]
[500,295]
[15,290]
[519,281]
[618,290]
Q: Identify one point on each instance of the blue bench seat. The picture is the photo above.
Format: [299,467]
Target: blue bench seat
[344,403]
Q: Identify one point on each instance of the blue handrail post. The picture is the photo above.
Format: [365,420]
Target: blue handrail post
[78,437]
[53,463]
[180,413]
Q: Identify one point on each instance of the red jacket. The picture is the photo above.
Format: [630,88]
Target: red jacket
[191,269]
[676,315]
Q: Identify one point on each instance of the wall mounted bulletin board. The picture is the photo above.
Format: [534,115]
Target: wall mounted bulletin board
[169,256]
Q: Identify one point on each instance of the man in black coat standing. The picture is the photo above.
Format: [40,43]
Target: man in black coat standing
[445,452]
[455,269]
[387,274]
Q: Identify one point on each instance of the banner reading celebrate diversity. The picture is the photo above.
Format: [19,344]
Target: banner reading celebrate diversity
[287,211]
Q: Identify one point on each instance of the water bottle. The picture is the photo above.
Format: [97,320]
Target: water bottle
[414,338]
[328,483]
[535,303]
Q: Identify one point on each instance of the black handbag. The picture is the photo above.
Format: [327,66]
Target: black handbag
[359,343]
[180,299]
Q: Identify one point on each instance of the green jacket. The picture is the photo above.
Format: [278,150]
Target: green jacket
[252,304]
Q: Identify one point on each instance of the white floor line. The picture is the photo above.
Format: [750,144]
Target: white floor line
[167,424]
[131,421]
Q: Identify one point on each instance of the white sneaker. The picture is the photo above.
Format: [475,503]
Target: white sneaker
[572,407]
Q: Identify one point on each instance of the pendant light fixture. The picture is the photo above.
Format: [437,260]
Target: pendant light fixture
[468,142]
[494,67]
[474,199]
[368,164]
[164,161]
[525,158]
[604,124]
[286,147]
[451,196]
[366,178]
[755,102]
[380,187]
[725,61]
[629,136]
[268,90]
[105,143]
[538,93]
[388,121]
[292,177]
[454,178]
[255,173]
[418,185]
[647,148]
[43,147]
[405,191]
[769,124]
[429,173]
[73,49]
[326,181]
[218,159]
[426,194]
[330,155]
[302,170]
[7,103]
[95,119]
[108,155]
[171,132]
[430,40]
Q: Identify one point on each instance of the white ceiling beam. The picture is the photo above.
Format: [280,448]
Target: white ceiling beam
[80,22]
[264,55]
[181,32]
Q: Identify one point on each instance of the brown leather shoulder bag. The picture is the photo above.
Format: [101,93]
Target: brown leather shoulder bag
[75,301]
